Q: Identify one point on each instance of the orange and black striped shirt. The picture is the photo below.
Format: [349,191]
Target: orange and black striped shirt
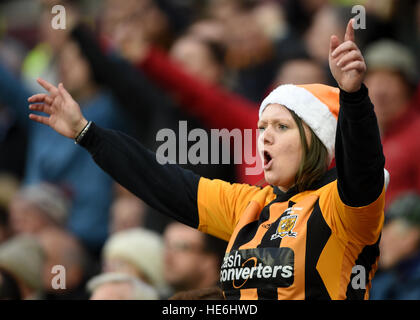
[289,245]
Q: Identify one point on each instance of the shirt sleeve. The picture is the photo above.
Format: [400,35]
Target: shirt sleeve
[354,203]
[358,150]
[221,204]
[167,188]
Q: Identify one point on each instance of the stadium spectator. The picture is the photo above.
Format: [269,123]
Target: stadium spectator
[192,259]
[37,207]
[63,249]
[120,286]
[137,252]
[300,71]
[200,57]
[23,258]
[89,215]
[399,265]
[391,79]
[127,212]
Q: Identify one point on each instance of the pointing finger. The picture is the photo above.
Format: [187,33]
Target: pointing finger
[349,36]
[47,86]
[64,93]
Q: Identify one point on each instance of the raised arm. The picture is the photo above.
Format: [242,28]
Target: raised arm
[167,188]
[359,157]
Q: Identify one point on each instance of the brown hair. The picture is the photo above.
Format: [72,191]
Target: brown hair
[314,160]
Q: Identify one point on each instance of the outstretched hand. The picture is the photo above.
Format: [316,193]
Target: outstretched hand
[346,61]
[64,114]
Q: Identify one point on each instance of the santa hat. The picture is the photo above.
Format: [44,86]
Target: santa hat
[316,104]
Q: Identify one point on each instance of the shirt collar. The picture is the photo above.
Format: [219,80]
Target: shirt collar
[328,177]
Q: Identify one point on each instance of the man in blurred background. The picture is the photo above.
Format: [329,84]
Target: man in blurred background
[120,286]
[127,212]
[391,79]
[23,258]
[399,264]
[71,168]
[137,252]
[37,207]
[62,249]
[192,259]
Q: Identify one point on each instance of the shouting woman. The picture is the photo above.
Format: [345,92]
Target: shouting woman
[311,231]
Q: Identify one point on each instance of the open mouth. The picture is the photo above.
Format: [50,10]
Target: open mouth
[268,160]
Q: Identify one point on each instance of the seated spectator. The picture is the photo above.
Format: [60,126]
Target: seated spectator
[399,264]
[137,252]
[326,21]
[71,167]
[300,71]
[23,258]
[192,258]
[120,286]
[202,58]
[63,249]
[127,212]
[36,207]
[391,79]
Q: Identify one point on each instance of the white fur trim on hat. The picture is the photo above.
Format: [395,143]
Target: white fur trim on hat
[310,109]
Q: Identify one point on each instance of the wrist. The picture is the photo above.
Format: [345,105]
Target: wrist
[80,126]
[354,96]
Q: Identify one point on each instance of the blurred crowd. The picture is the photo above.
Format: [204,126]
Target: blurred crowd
[142,65]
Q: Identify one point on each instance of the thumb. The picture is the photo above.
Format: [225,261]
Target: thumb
[334,43]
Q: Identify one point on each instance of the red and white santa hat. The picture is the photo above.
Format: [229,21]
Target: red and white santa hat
[316,104]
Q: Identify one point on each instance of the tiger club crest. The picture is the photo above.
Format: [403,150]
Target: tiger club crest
[286,225]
